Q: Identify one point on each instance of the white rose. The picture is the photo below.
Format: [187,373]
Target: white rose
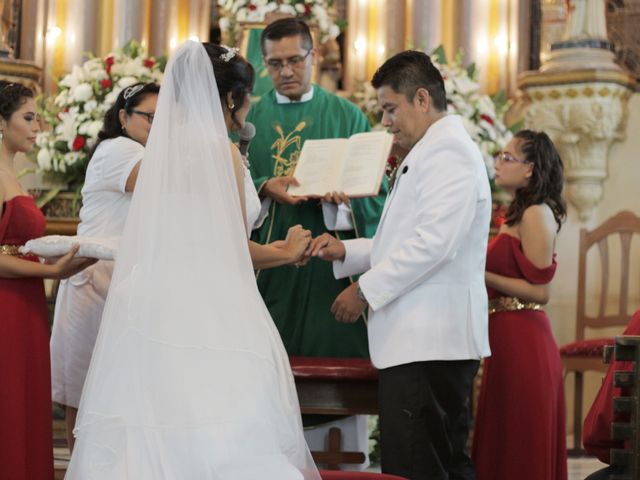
[82,92]
[224,23]
[288,9]
[334,31]
[94,128]
[300,7]
[90,106]
[44,159]
[125,82]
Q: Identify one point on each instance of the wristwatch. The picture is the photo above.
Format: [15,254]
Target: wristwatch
[361,295]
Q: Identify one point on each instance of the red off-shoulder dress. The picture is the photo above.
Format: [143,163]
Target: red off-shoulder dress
[520,422]
[26,450]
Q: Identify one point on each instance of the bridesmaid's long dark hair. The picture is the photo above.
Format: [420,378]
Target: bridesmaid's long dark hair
[547,178]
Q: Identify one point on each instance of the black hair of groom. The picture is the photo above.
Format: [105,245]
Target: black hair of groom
[408,71]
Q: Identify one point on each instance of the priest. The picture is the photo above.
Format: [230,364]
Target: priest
[285,117]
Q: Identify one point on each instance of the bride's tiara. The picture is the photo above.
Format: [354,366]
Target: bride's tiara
[131,91]
[230,53]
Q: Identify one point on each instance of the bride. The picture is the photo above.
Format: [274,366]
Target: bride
[189,378]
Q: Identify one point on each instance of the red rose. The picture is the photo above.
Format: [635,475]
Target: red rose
[252,7]
[307,10]
[78,143]
[106,83]
[487,119]
[108,63]
[149,62]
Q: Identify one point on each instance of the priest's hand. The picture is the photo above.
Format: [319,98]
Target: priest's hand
[337,198]
[348,306]
[276,188]
[327,247]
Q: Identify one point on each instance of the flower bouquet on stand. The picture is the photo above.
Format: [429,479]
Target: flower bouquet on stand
[317,12]
[74,115]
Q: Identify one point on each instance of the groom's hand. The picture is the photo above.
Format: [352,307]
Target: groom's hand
[348,306]
[327,247]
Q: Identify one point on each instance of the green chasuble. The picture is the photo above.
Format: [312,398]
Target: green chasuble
[300,299]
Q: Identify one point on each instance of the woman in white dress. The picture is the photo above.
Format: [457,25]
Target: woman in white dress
[189,378]
[106,195]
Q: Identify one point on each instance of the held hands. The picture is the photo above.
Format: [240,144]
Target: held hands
[68,265]
[348,307]
[276,189]
[327,247]
[296,243]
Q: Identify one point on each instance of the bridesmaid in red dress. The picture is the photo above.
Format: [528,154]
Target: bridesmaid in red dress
[520,422]
[26,450]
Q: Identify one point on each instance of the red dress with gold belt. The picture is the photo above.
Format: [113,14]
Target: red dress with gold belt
[520,422]
[26,449]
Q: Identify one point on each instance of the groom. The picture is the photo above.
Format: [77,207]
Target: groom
[424,281]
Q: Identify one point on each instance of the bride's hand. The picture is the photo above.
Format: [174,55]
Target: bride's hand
[296,243]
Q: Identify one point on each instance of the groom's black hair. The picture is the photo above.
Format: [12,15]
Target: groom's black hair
[287,27]
[408,71]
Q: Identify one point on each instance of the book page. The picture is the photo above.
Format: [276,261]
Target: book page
[365,160]
[318,167]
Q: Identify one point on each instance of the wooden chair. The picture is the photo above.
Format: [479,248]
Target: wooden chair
[586,354]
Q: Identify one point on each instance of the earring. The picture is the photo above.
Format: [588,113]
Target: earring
[232,106]
[123,128]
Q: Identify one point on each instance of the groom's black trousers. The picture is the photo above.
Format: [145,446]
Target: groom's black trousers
[424,419]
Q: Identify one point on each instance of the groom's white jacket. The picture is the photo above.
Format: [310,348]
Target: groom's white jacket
[424,277]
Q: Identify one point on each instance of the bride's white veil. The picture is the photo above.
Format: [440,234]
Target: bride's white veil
[189,378]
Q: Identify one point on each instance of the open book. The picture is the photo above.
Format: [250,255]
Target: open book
[352,165]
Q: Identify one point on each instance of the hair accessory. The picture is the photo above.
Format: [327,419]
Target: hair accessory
[131,91]
[231,52]
[232,106]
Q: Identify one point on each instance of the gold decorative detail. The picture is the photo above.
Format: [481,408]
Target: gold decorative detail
[555,94]
[285,166]
[10,250]
[511,304]
[604,92]
[538,95]
[571,93]
[588,92]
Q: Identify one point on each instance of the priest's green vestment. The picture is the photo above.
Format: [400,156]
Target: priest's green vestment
[300,299]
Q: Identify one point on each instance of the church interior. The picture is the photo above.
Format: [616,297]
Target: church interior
[570,68]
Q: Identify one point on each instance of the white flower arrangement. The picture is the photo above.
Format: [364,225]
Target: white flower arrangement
[482,115]
[76,113]
[314,11]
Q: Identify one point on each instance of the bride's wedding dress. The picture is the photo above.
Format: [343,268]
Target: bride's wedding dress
[189,379]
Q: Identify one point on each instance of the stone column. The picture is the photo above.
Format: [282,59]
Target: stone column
[579,96]
[130,21]
[159,35]
[426,24]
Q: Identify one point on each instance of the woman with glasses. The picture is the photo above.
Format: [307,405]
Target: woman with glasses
[106,195]
[520,422]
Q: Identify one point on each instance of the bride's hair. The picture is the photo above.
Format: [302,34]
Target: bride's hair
[12,96]
[233,74]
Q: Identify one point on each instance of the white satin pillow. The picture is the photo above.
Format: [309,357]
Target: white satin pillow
[57,245]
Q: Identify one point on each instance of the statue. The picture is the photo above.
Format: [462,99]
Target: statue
[587,20]
[6,26]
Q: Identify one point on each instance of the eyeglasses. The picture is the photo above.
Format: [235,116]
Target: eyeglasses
[276,65]
[147,115]
[506,157]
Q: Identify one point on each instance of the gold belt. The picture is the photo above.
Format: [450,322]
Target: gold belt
[511,304]
[10,250]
